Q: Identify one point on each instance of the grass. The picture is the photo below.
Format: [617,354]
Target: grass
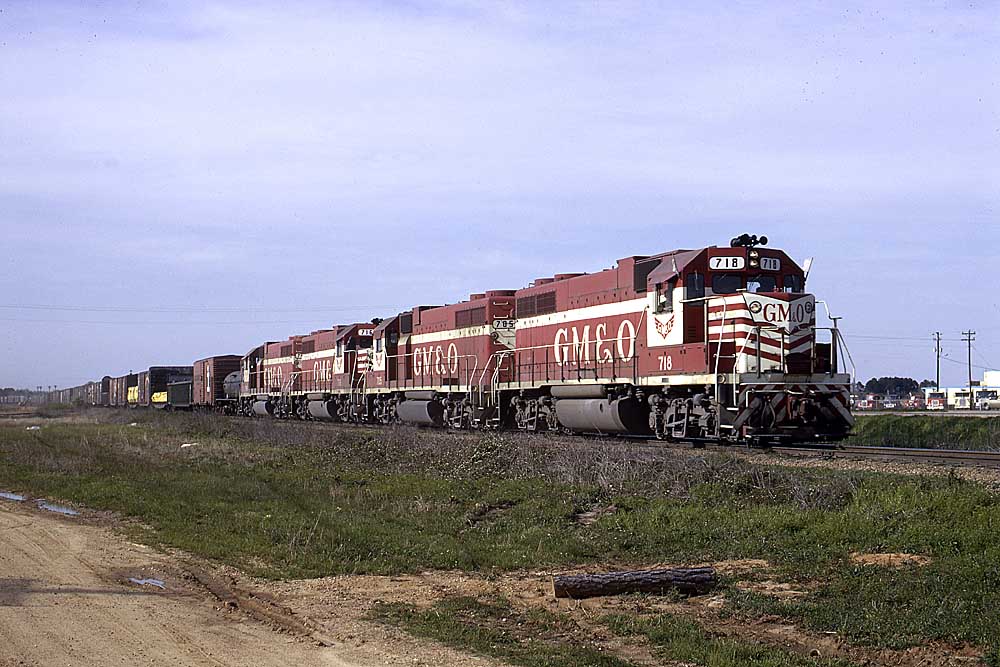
[538,638]
[290,500]
[939,432]
[682,640]
[50,410]
[495,629]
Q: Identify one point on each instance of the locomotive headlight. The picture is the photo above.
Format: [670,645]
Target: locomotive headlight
[754,253]
[753,263]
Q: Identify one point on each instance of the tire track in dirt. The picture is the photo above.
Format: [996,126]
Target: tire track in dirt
[63,601]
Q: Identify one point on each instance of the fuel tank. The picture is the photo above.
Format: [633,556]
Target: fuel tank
[599,415]
[579,391]
[322,409]
[263,408]
[421,412]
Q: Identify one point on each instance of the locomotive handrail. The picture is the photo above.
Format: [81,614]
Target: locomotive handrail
[597,362]
[838,335]
[326,383]
[499,354]
[424,373]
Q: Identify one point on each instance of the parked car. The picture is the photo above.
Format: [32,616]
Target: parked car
[987,400]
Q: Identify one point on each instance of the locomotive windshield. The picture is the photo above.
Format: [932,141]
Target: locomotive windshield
[727,283]
[793,283]
[762,284]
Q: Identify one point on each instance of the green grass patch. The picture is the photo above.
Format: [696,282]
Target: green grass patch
[52,410]
[495,629]
[682,640]
[938,432]
[538,638]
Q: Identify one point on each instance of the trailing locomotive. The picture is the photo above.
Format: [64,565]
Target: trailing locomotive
[713,344]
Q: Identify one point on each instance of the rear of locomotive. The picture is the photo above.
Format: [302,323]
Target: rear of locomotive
[446,360]
[334,364]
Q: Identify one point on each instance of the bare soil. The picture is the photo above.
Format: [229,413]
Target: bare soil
[890,559]
[342,601]
[66,599]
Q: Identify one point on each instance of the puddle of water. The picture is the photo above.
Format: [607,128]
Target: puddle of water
[57,508]
[148,582]
[11,496]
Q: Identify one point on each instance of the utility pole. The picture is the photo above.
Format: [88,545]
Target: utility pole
[968,337]
[937,352]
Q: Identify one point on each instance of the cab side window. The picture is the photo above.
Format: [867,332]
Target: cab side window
[694,286]
[665,296]
[793,283]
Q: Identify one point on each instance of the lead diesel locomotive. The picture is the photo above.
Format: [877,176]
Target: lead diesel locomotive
[719,343]
[714,344]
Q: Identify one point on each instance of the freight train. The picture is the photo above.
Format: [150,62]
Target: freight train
[717,344]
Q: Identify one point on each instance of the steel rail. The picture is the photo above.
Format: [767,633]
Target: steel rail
[918,454]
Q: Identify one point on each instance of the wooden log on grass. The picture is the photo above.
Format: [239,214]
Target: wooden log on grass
[687,581]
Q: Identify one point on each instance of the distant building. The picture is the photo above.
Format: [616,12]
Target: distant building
[870,402]
[985,395]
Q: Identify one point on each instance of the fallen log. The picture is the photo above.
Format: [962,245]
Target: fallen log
[688,581]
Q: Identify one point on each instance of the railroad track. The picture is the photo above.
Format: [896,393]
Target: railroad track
[16,415]
[965,457]
[974,414]
[649,444]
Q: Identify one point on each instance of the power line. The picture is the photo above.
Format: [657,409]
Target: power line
[983,357]
[920,338]
[189,309]
[158,322]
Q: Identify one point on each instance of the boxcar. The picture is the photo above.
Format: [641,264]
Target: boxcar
[208,382]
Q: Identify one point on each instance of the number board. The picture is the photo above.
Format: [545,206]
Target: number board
[770,263]
[726,263]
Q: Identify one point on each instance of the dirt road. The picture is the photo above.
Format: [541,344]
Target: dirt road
[66,599]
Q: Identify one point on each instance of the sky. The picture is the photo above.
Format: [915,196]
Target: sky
[182,180]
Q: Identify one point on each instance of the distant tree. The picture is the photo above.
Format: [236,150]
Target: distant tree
[927,383]
[891,385]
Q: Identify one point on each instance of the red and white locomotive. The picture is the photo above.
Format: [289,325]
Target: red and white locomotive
[719,343]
